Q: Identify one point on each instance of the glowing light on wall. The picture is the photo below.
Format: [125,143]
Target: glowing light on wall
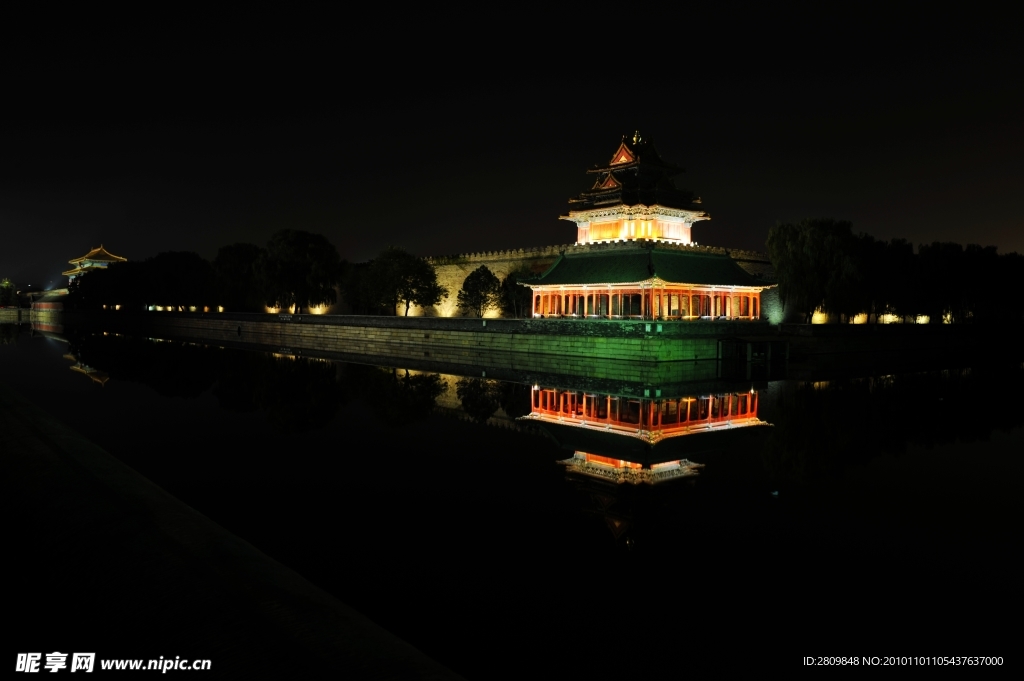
[315,309]
[449,307]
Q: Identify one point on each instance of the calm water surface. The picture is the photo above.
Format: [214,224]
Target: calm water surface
[873,513]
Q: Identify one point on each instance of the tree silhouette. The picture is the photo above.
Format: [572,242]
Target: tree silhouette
[396,276]
[8,296]
[300,269]
[479,291]
[9,334]
[239,284]
[396,395]
[813,261]
[480,397]
[515,299]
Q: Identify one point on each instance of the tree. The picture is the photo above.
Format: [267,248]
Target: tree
[176,279]
[300,269]
[8,296]
[239,284]
[396,396]
[799,284]
[515,299]
[480,397]
[479,291]
[357,291]
[815,264]
[396,276]
[898,278]
[9,334]
[939,273]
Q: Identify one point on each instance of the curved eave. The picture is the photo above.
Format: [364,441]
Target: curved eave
[651,283]
[99,255]
[80,270]
[651,437]
[587,214]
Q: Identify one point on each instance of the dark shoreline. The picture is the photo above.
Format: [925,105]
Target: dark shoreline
[145,575]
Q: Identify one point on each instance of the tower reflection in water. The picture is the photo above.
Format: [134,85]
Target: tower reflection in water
[614,436]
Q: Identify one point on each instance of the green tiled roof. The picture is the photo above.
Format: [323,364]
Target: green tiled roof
[623,266]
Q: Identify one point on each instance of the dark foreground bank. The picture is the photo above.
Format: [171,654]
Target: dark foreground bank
[107,562]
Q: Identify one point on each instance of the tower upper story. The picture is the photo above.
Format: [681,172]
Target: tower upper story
[97,258]
[634,196]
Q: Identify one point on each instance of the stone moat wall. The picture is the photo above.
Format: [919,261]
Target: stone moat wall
[593,348]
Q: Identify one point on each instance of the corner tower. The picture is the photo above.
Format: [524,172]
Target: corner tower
[634,196]
[97,258]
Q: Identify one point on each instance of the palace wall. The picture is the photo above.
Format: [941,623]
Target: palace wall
[452,270]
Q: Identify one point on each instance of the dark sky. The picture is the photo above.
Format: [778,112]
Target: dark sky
[474,144]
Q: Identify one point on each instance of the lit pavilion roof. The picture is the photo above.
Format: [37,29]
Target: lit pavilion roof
[644,263]
[99,255]
[80,270]
[636,174]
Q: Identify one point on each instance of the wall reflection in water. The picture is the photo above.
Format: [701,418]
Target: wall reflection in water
[823,427]
[9,333]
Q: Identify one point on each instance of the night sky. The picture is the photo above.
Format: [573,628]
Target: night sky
[449,146]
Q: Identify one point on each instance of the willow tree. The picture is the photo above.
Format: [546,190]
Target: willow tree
[301,269]
[240,285]
[815,264]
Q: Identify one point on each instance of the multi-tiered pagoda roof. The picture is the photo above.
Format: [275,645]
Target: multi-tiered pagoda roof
[97,258]
[634,196]
[636,174]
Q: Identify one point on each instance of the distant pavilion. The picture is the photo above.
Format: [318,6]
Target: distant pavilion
[641,262]
[97,258]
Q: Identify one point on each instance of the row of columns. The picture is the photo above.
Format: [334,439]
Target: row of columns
[650,414]
[660,303]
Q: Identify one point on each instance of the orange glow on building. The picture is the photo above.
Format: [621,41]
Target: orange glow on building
[647,300]
[649,419]
[634,197]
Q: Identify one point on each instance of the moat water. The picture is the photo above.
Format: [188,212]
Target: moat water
[847,516]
